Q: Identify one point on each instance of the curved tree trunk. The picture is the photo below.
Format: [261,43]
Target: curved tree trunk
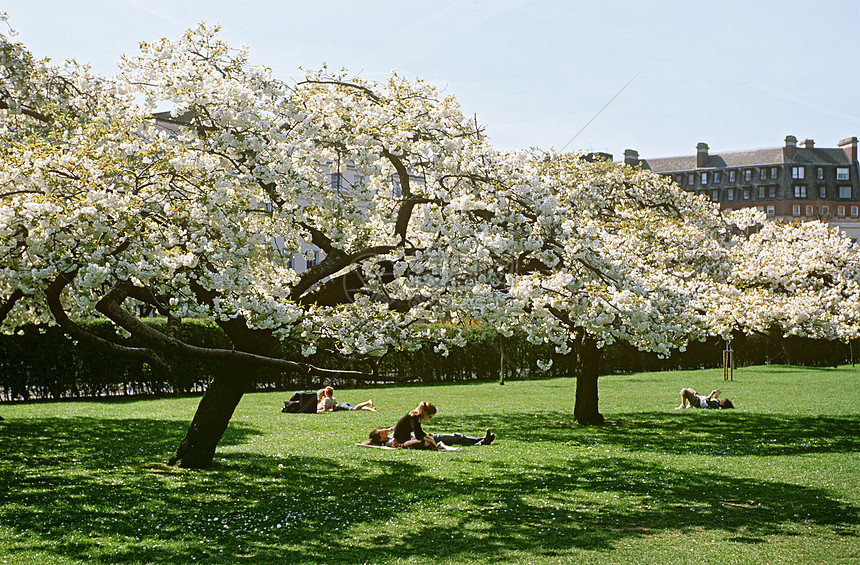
[197,449]
[587,370]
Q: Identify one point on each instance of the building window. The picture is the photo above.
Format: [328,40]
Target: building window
[715,196]
[730,194]
[799,191]
[703,178]
[733,175]
[822,192]
[842,173]
[771,192]
[748,175]
[840,211]
[691,179]
[795,210]
[770,211]
[774,172]
[854,211]
[762,174]
[810,210]
[825,211]
[334,181]
[797,172]
[717,177]
[679,179]
[746,194]
[820,173]
[762,191]
[845,191]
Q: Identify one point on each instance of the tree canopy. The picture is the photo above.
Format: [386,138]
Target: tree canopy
[335,212]
[789,278]
[104,209]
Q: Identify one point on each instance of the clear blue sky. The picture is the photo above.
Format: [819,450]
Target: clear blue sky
[734,74]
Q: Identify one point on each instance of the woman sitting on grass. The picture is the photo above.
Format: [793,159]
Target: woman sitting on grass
[326,402]
[698,401]
[408,433]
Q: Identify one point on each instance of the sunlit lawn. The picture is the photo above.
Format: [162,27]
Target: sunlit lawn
[775,481]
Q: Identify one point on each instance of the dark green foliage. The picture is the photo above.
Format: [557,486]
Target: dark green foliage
[41,362]
[748,350]
[486,351]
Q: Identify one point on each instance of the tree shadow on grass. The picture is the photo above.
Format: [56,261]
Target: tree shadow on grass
[77,489]
[506,517]
[687,432]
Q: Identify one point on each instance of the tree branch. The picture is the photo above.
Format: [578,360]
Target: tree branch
[335,291]
[111,306]
[53,293]
[372,95]
[44,118]
[7,306]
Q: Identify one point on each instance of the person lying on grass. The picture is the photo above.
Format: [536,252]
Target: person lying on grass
[383,437]
[407,433]
[326,402]
[696,400]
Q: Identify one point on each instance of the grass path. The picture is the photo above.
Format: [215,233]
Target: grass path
[774,481]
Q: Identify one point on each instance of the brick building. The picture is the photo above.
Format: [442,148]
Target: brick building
[796,182]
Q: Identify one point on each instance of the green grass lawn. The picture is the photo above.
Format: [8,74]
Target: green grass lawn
[775,481]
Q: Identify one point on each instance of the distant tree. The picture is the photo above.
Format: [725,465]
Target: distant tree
[588,253]
[798,278]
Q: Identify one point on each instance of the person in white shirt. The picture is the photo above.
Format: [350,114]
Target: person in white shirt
[691,399]
[326,402]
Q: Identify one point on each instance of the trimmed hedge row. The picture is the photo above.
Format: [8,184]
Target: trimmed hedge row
[43,363]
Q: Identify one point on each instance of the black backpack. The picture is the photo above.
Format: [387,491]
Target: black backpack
[302,402]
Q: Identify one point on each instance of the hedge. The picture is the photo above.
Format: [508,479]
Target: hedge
[43,363]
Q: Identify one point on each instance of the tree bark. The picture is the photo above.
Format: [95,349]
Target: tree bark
[239,371]
[587,370]
[197,449]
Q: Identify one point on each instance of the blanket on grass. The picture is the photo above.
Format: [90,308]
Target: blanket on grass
[373,446]
[441,447]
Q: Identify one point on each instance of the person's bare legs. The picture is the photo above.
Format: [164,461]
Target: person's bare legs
[687,394]
[683,401]
[368,405]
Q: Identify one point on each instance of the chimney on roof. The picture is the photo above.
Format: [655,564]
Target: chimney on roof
[790,147]
[807,144]
[701,155]
[849,145]
[631,157]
